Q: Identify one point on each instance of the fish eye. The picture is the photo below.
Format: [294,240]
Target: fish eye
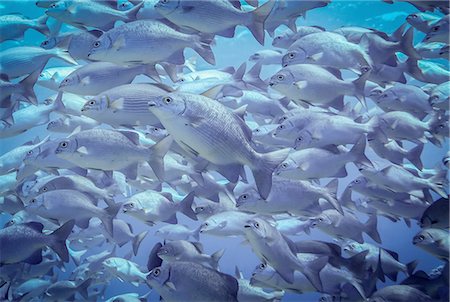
[200,208]
[299,139]
[435,28]
[280,77]
[256,225]
[30,152]
[244,196]
[45,43]
[321,219]
[64,144]
[413,16]
[291,55]
[44,189]
[96,44]
[164,1]
[65,80]
[206,224]
[181,80]
[356,181]
[156,272]
[365,69]
[284,165]
[167,100]
[277,37]
[281,127]
[53,5]
[262,266]
[92,103]
[256,130]
[33,200]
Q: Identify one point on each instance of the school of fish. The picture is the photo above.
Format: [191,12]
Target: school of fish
[231,152]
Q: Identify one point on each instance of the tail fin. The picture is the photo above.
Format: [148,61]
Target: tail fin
[151,72]
[407,46]
[413,156]
[137,241]
[413,68]
[41,25]
[253,78]
[186,206]
[410,267]
[83,288]
[107,220]
[397,35]
[28,84]
[59,105]
[264,167]
[203,48]
[132,12]
[257,19]
[216,257]
[437,182]
[59,243]
[158,151]
[359,84]
[358,152]
[64,55]
[371,228]
[331,188]
[312,270]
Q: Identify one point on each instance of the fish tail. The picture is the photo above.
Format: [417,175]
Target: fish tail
[83,287]
[397,35]
[371,228]
[216,257]
[59,105]
[253,77]
[407,46]
[137,241]
[437,183]
[107,219]
[410,267]
[413,156]
[60,235]
[258,17]
[264,167]
[203,48]
[186,206]
[359,85]
[132,12]
[28,84]
[41,25]
[312,270]
[151,72]
[331,188]
[64,55]
[358,152]
[157,153]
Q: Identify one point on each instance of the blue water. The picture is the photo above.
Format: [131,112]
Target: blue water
[232,52]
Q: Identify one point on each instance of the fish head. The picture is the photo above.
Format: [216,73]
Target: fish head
[69,81]
[167,105]
[376,93]
[49,43]
[295,56]
[158,276]
[155,133]
[257,227]
[386,96]
[124,5]
[31,155]
[167,252]
[212,224]
[261,273]
[423,238]
[99,103]
[352,248]
[360,181]
[66,147]
[107,47]
[50,186]
[444,51]
[434,32]
[278,40]
[425,222]
[283,78]
[165,7]
[130,206]
[284,128]
[247,199]
[321,220]
[304,140]
[36,203]
[55,124]
[205,210]
[286,166]
[255,57]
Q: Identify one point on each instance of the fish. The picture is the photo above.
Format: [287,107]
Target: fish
[201,120]
[52,77]
[105,149]
[24,242]
[223,21]
[16,60]
[267,57]
[125,270]
[399,292]
[48,205]
[177,232]
[84,14]
[192,281]
[14,26]
[66,290]
[439,31]
[422,21]
[118,44]
[287,38]
[181,250]
[433,241]
[150,207]
[435,215]
[69,123]
[249,292]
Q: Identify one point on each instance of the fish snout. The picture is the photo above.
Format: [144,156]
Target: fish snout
[151,104]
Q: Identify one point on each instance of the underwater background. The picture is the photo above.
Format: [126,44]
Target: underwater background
[396,236]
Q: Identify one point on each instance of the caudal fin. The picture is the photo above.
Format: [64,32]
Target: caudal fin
[203,48]
[312,269]
[437,183]
[407,46]
[216,257]
[358,152]
[41,25]
[82,288]
[258,17]
[413,156]
[371,228]
[359,84]
[59,243]
[107,220]
[158,151]
[137,241]
[264,167]
[132,12]
[64,55]
[28,84]
[186,206]
[331,188]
